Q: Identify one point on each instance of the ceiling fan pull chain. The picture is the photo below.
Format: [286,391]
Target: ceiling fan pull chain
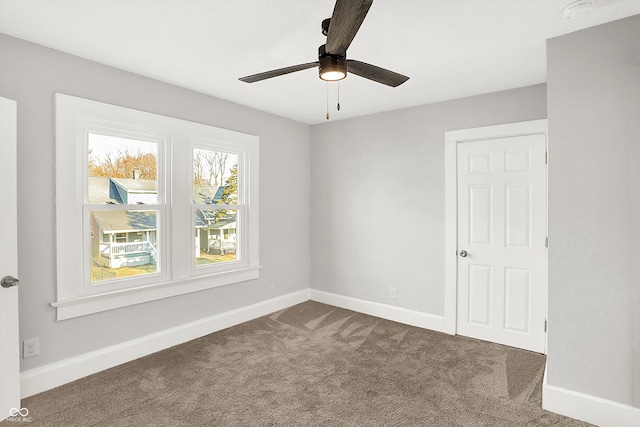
[338,96]
[327,100]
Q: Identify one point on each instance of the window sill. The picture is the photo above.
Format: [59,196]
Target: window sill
[89,304]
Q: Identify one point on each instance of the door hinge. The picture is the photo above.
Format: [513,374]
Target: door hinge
[546,157]
[546,242]
[545,325]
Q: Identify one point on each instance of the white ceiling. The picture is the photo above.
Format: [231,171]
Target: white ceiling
[449,48]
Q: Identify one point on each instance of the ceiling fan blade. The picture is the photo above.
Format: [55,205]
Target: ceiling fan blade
[377,74]
[279,72]
[345,22]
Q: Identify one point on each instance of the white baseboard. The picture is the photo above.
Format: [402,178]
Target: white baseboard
[56,374]
[384,311]
[591,409]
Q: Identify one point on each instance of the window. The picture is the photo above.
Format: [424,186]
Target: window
[133,189]
[121,189]
[218,206]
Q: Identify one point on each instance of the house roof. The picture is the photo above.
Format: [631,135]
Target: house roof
[204,194]
[221,224]
[123,221]
[98,190]
[208,194]
[136,185]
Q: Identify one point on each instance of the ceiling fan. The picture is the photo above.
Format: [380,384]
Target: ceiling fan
[332,61]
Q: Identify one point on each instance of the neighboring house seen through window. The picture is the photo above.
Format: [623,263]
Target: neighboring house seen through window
[130,231]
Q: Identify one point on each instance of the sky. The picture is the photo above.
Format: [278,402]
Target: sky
[100,145]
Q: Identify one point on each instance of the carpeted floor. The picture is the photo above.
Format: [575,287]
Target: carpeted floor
[311,365]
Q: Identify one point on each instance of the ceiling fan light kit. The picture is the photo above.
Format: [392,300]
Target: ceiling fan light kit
[331,67]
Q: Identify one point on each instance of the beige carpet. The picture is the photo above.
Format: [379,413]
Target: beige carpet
[311,365]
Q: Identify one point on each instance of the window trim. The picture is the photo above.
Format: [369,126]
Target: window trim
[178,275]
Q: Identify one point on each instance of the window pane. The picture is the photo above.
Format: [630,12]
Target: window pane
[215,177]
[216,236]
[121,170]
[123,244]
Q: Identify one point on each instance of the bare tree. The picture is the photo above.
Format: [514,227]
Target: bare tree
[216,164]
[122,163]
[199,159]
[222,163]
[214,174]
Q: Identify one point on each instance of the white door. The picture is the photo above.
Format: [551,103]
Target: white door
[9,341]
[501,240]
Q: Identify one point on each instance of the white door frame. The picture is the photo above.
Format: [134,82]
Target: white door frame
[9,335]
[452,139]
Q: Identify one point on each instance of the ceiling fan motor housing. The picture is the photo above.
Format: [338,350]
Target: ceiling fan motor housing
[331,67]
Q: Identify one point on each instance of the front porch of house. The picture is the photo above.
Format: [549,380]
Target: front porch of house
[216,240]
[128,254]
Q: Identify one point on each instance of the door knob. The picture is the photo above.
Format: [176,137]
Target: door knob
[463,253]
[8,281]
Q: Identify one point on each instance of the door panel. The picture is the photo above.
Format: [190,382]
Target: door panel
[480,294]
[480,217]
[517,299]
[502,214]
[518,215]
[9,348]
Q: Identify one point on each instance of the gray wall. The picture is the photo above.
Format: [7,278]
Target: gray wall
[593,86]
[30,74]
[377,207]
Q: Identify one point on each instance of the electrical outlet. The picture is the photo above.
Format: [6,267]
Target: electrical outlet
[30,348]
[272,292]
[392,293]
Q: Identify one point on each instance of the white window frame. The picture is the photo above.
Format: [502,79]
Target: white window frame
[76,295]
